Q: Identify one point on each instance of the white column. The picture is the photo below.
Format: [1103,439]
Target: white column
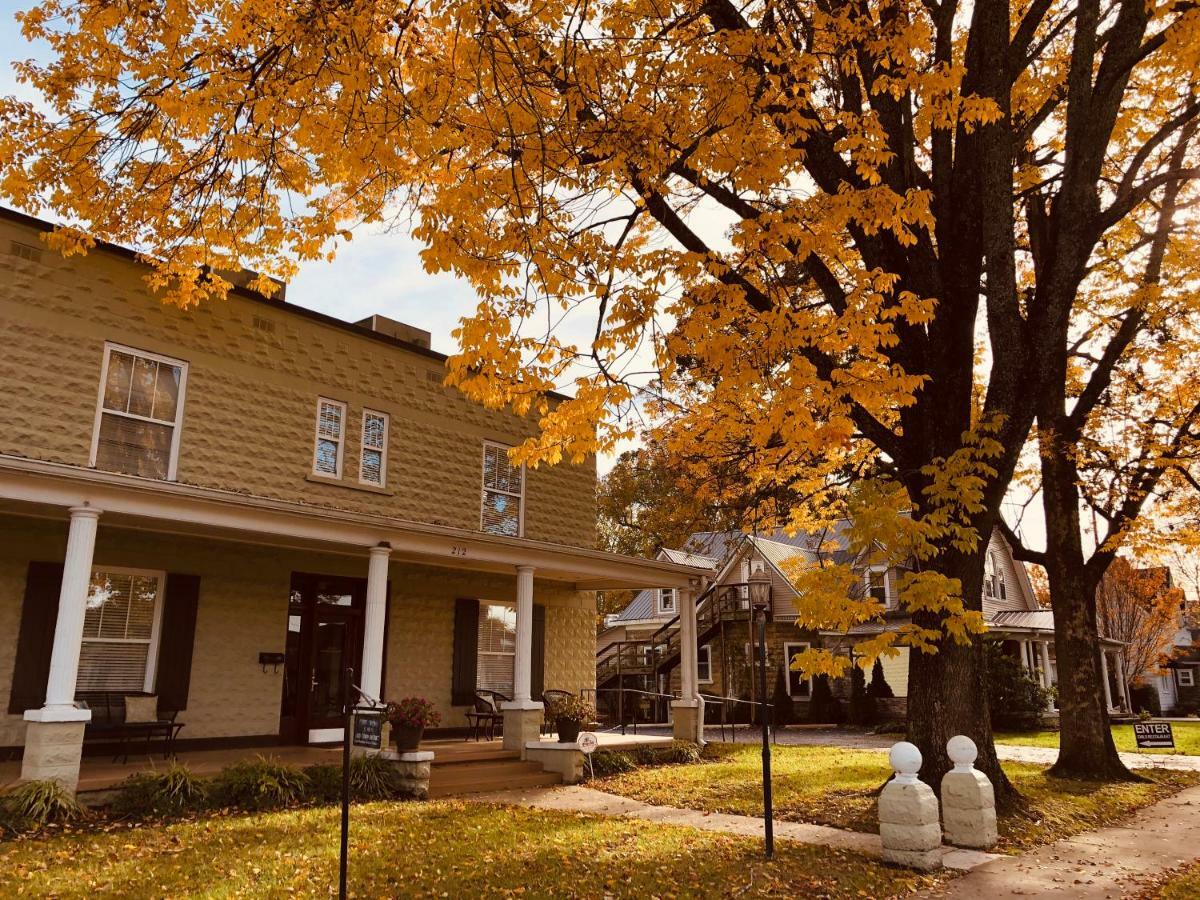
[1047,681]
[374,622]
[68,630]
[1123,682]
[689,653]
[523,662]
[1108,704]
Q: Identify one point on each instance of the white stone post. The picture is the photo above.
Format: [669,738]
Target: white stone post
[523,716]
[1047,680]
[686,723]
[375,622]
[908,814]
[1108,704]
[968,800]
[54,735]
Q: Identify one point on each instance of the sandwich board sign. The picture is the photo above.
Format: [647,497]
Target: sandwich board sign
[1154,735]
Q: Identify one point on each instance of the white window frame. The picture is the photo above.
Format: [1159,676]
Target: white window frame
[483,487]
[318,437]
[151,676]
[704,653]
[790,649]
[363,448]
[663,609]
[483,604]
[1191,677]
[887,584]
[176,426]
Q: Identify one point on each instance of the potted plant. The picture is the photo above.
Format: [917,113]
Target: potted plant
[571,714]
[409,718]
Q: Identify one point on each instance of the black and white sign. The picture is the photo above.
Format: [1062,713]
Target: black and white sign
[368,730]
[1154,735]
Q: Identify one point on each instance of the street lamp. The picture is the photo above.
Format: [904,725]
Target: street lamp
[760,601]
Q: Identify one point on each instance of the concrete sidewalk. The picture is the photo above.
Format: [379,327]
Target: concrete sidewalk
[580,799]
[1107,863]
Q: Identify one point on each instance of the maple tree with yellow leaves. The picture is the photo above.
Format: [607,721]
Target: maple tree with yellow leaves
[786,225]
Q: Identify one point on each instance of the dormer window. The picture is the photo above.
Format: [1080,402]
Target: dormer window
[875,582]
[994,586]
[666,602]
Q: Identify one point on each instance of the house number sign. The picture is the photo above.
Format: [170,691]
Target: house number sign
[458,550]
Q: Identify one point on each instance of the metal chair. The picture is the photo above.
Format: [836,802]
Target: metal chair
[486,713]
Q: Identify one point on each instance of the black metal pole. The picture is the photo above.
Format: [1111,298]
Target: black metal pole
[768,814]
[348,710]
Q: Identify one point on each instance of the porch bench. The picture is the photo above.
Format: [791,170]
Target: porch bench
[108,723]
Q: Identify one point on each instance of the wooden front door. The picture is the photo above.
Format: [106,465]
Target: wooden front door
[324,636]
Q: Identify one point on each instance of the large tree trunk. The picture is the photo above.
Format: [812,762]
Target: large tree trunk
[1086,748]
[947,692]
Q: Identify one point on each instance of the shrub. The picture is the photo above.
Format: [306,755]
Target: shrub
[260,784]
[36,803]
[412,712]
[611,762]
[823,707]
[372,778]
[862,704]
[173,791]
[574,709]
[879,688]
[781,702]
[324,783]
[615,762]
[1015,698]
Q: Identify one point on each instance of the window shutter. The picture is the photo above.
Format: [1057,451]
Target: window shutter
[537,659]
[466,646]
[181,598]
[35,639]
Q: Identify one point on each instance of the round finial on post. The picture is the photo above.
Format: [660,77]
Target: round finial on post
[962,752]
[906,762]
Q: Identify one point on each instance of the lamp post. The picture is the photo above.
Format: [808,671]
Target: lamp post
[760,601]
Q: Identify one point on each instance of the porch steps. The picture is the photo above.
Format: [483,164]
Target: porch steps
[480,769]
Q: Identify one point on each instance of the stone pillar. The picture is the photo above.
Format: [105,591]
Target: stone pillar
[689,651]
[523,716]
[374,623]
[685,720]
[1108,704]
[414,768]
[968,801]
[908,814]
[54,735]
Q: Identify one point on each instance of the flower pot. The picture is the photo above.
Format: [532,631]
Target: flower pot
[568,730]
[407,737]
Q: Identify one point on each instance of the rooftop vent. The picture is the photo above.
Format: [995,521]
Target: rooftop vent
[398,330]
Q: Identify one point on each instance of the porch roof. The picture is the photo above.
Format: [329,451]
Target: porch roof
[46,489]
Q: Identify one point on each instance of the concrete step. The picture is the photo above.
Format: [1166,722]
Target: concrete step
[443,787]
[445,757]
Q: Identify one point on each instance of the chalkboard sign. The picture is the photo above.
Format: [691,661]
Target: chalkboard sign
[1152,735]
[368,730]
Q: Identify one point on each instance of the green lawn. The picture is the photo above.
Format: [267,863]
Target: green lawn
[441,848]
[830,786]
[1187,739]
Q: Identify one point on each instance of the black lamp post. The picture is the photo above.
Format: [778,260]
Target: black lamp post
[760,600]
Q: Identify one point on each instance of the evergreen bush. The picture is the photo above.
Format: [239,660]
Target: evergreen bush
[1015,698]
[259,784]
[823,707]
[862,704]
[879,688]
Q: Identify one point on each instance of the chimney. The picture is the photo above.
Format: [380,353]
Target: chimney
[392,328]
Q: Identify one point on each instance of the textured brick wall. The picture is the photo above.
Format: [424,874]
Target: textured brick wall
[243,610]
[251,396]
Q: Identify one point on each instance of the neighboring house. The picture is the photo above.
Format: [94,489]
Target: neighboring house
[228,506]
[640,651]
[1177,685]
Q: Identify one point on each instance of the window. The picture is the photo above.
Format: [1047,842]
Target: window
[139,413]
[994,585]
[704,664]
[1187,677]
[798,685]
[120,631]
[503,492]
[875,579]
[372,468]
[497,647]
[666,601]
[331,431]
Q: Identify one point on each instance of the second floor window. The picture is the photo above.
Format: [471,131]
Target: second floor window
[876,583]
[993,578]
[139,413]
[503,493]
[372,467]
[331,436]
[666,601]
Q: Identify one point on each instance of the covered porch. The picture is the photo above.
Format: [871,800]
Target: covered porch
[395,627]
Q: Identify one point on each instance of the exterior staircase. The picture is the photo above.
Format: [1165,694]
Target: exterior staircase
[468,767]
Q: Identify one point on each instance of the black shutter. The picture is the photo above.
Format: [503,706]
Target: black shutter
[35,639]
[466,650]
[178,632]
[537,659]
